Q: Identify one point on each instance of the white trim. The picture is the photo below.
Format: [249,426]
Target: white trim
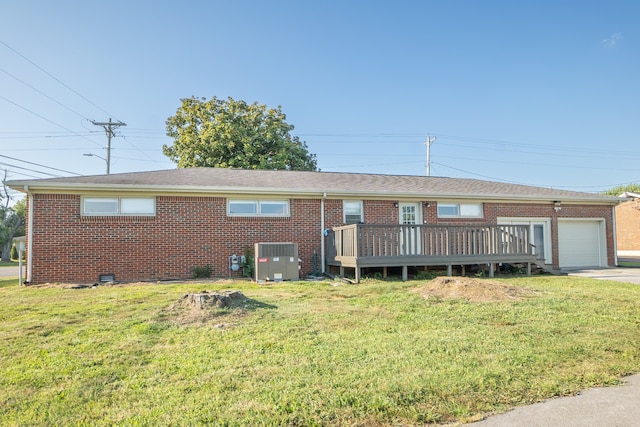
[80,188]
[344,210]
[623,254]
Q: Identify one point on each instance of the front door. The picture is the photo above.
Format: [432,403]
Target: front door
[410,237]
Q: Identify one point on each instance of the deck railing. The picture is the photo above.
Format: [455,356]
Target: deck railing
[367,240]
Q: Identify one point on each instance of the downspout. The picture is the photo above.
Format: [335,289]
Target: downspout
[29,235]
[615,238]
[322,236]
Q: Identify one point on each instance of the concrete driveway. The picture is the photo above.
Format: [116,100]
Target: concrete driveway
[618,274]
[7,272]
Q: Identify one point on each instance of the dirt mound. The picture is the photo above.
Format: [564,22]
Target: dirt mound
[472,289]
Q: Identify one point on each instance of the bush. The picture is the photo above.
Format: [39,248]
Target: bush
[248,266]
[202,272]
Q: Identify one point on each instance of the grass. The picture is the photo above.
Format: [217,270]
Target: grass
[9,263]
[306,353]
[631,264]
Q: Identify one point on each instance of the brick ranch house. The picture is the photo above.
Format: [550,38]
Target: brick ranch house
[628,225]
[160,225]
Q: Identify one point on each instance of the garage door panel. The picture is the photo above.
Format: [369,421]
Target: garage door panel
[579,244]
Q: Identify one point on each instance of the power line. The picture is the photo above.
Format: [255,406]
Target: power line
[54,78]
[43,94]
[44,118]
[37,164]
[30,170]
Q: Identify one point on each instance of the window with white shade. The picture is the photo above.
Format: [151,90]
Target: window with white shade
[118,206]
[460,210]
[271,208]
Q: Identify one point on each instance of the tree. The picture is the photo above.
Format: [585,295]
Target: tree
[12,221]
[233,134]
[630,188]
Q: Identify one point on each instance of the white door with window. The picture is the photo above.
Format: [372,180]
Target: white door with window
[539,235]
[410,238]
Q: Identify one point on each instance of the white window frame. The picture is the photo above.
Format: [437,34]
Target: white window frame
[259,208]
[461,210]
[349,204]
[118,208]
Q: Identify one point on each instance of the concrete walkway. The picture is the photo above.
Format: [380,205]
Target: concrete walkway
[597,407]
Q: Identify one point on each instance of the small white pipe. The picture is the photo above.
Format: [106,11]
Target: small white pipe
[322,248]
[615,239]
[30,237]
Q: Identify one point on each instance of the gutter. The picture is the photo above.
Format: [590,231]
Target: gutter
[83,188]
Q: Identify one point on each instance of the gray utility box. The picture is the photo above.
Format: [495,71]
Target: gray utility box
[276,261]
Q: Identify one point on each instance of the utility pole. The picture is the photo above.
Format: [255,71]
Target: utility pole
[108,128]
[428,143]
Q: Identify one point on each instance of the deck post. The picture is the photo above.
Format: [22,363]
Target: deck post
[358,274]
[384,272]
[528,269]
[405,273]
[342,272]
[449,270]
[491,269]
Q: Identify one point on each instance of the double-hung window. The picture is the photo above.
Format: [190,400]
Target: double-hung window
[271,208]
[353,211]
[118,206]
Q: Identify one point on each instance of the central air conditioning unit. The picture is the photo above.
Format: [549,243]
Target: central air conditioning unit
[276,261]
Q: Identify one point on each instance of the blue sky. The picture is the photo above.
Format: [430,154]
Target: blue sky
[543,93]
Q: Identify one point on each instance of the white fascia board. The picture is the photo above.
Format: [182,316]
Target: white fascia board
[78,188]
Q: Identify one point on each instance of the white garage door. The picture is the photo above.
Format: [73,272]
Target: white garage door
[580,244]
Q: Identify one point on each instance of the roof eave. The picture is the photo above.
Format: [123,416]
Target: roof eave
[26,186]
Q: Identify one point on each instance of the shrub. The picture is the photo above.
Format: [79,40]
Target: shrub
[248,266]
[202,272]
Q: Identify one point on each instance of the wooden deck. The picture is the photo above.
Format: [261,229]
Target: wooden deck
[365,245]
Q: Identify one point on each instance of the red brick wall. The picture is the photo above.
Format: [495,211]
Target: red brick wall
[628,225]
[195,231]
[494,210]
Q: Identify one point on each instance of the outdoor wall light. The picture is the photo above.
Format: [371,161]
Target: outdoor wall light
[427,204]
[556,205]
[395,204]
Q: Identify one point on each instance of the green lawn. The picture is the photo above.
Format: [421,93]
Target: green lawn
[306,353]
[9,263]
[631,264]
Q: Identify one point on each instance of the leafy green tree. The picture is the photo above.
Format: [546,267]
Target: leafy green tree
[234,134]
[616,191]
[12,222]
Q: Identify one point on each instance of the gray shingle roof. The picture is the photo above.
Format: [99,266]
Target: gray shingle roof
[212,180]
